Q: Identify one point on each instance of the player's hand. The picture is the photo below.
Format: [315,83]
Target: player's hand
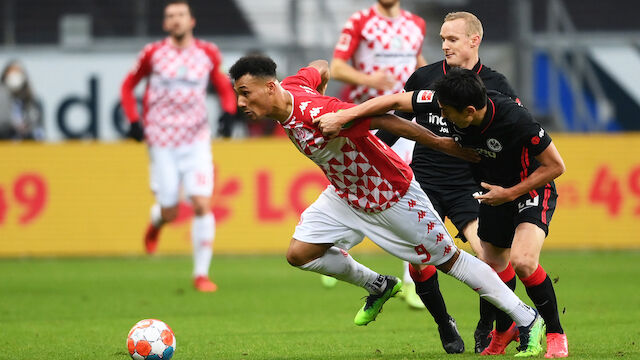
[449,146]
[225,124]
[381,80]
[136,132]
[329,125]
[496,195]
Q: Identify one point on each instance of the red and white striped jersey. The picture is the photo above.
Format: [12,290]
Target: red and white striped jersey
[174,110]
[375,42]
[364,171]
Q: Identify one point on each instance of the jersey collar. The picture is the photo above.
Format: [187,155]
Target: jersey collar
[476,68]
[488,116]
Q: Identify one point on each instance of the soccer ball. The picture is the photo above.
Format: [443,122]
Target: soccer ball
[151,339]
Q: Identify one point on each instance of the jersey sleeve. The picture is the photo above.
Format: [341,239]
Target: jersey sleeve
[424,101]
[534,137]
[308,76]
[141,69]
[349,38]
[221,81]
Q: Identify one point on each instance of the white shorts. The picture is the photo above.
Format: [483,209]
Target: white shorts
[189,165]
[410,230]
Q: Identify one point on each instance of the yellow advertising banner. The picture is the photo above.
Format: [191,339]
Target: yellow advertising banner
[94,198]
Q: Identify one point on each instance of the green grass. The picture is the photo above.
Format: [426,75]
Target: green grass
[265,309]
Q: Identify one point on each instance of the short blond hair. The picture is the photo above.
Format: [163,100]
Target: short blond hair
[474,26]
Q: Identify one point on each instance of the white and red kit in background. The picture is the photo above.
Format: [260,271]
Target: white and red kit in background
[175,120]
[374,42]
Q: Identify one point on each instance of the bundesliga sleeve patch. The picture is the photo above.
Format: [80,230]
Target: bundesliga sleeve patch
[425,96]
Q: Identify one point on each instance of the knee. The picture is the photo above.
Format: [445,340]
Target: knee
[295,257]
[169,214]
[201,206]
[523,265]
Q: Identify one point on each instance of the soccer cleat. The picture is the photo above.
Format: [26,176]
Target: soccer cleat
[410,296]
[450,337]
[373,305]
[328,281]
[482,336]
[151,239]
[203,284]
[500,341]
[557,346]
[530,338]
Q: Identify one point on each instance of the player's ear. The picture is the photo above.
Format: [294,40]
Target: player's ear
[475,40]
[271,87]
[469,110]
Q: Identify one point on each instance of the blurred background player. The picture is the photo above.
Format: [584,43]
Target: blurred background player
[20,113]
[176,128]
[384,45]
[448,181]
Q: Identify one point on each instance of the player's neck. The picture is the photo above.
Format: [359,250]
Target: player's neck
[478,116]
[282,106]
[469,64]
[181,42]
[389,12]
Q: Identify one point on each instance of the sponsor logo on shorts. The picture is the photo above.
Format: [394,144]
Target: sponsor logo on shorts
[535,140]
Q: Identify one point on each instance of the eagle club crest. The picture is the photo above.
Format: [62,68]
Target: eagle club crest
[494,145]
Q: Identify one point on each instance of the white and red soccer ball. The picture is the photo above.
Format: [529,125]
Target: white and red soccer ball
[151,339]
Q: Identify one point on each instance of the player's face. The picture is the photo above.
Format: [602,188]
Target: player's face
[456,44]
[178,21]
[461,119]
[253,96]
[388,3]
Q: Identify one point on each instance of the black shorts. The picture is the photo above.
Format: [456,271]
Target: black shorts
[458,204]
[497,224]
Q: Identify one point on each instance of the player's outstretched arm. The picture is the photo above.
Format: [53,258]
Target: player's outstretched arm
[323,68]
[410,130]
[551,166]
[343,71]
[331,123]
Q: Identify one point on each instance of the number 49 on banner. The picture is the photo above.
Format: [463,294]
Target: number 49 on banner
[29,192]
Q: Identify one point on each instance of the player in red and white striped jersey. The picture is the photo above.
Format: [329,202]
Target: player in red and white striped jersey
[372,193]
[176,128]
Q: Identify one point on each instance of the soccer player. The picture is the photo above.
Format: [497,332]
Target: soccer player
[176,128]
[384,45]
[447,180]
[517,171]
[372,193]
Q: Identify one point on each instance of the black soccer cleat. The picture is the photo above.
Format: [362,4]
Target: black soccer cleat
[450,337]
[482,336]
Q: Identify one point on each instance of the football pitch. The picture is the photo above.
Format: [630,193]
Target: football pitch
[82,308]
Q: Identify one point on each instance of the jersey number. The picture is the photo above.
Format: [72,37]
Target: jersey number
[420,250]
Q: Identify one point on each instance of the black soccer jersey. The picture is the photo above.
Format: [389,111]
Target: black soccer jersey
[432,167]
[508,139]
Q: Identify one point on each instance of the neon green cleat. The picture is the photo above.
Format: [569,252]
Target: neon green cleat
[410,296]
[531,338]
[328,281]
[374,303]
